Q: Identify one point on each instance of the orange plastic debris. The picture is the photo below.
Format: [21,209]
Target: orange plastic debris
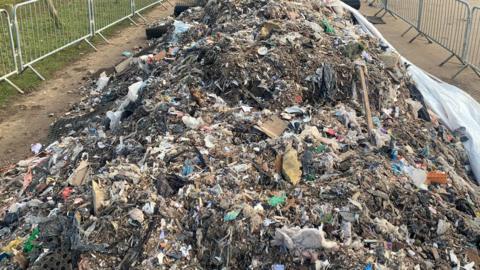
[437,178]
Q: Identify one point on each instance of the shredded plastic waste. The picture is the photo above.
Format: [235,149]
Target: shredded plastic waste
[241,138]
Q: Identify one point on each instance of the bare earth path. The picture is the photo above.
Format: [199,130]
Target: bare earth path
[26,120]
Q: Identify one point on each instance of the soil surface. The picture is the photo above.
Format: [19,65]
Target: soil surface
[26,120]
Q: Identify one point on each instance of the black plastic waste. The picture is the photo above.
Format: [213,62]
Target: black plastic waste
[323,84]
[157,31]
[353,3]
[179,10]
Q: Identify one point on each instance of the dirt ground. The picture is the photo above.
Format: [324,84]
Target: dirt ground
[425,55]
[26,121]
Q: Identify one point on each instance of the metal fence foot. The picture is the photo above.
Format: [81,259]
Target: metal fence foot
[448,59]
[404,33]
[36,72]
[461,60]
[391,14]
[135,23]
[384,13]
[141,17]
[415,37]
[476,71]
[460,71]
[104,38]
[91,45]
[14,86]
[375,15]
[163,6]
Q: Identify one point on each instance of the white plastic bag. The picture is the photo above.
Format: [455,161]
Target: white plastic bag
[115,118]
[133,91]
[102,82]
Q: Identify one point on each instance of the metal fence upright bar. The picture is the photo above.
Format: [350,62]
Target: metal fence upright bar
[418,23]
[135,12]
[47,27]
[384,9]
[8,55]
[446,22]
[471,53]
[107,13]
[407,10]
[141,5]
[41,28]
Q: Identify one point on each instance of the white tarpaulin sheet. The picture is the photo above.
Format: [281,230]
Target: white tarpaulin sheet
[454,107]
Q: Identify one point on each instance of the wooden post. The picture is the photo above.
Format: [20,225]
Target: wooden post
[366,102]
[54,13]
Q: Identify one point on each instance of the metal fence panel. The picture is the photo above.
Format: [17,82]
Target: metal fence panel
[407,10]
[8,63]
[381,4]
[109,12]
[446,23]
[43,29]
[143,4]
[473,51]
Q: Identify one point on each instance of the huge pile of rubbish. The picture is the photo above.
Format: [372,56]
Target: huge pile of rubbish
[252,135]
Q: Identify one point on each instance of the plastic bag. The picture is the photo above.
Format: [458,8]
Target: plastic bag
[133,91]
[180,28]
[115,118]
[102,82]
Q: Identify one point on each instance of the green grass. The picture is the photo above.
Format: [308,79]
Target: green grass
[142,3]
[72,24]
[4,3]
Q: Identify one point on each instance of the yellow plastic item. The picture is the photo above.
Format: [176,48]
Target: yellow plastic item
[13,245]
